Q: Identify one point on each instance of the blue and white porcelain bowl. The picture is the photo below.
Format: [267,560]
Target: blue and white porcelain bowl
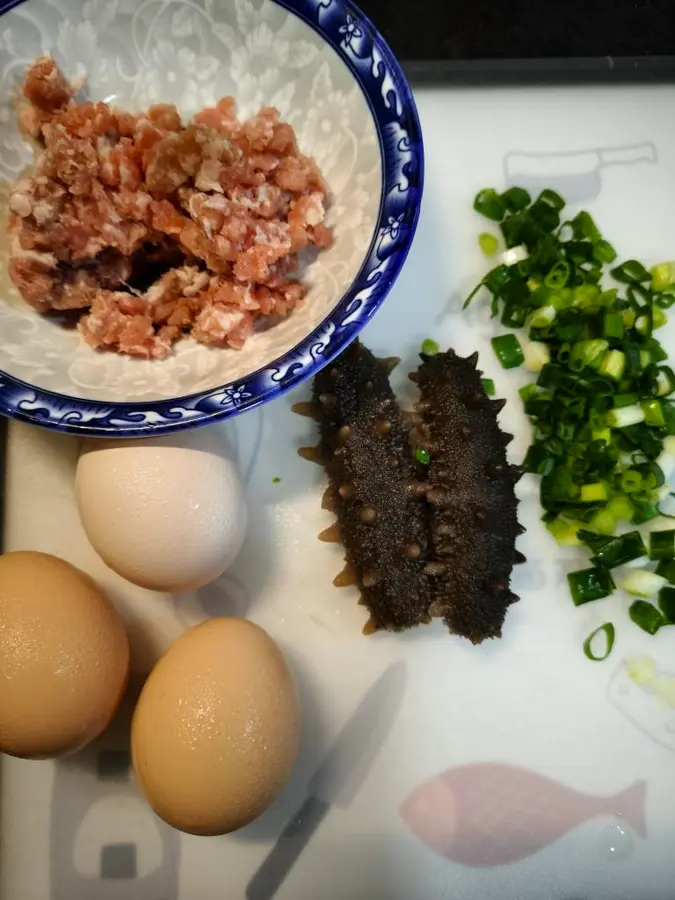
[333,78]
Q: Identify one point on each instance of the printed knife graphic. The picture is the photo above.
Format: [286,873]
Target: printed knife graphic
[337,779]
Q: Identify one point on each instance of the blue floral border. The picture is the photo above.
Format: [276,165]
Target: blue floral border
[364,51]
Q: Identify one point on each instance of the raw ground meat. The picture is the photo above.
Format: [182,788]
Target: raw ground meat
[155,230]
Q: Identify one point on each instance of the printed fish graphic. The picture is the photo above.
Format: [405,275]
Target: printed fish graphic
[488,814]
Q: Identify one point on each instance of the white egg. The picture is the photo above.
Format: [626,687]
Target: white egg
[168,513]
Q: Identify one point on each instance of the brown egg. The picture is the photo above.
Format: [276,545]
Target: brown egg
[64,656]
[215,732]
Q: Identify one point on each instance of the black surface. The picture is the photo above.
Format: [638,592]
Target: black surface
[467,39]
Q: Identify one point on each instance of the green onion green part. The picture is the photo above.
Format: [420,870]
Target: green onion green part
[646,616]
[430,347]
[488,386]
[631,272]
[620,550]
[662,545]
[666,568]
[608,631]
[488,243]
[603,521]
[667,604]
[489,204]
[508,350]
[663,276]
[422,456]
[565,532]
[590,584]
[516,198]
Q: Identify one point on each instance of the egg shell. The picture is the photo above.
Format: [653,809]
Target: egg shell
[168,514]
[64,656]
[215,732]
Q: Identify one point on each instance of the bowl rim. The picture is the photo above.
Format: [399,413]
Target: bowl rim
[360,46]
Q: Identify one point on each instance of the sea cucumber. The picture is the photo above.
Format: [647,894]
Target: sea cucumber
[373,489]
[471,495]
[420,541]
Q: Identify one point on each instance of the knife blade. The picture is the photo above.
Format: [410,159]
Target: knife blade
[337,779]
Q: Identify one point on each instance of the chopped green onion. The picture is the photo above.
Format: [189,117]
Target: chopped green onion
[603,522]
[656,351]
[552,199]
[558,275]
[613,365]
[663,276]
[644,324]
[513,255]
[590,584]
[613,327]
[565,532]
[659,318]
[276,480]
[625,400]
[489,204]
[620,507]
[653,413]
[646,616]
[514,316]
[664,301]
[620,550]
[488,386]
[599,410]
[645,511]
[538,460]
[516,198]
[603,252]
[666,568]
[587,353]
[625,416]
[631,272]
[641,583]
[601,434]
[630,481]
[583,226]
[608,630]
[667,604]
[429,347]
[537,355]
[422,456]
[473,294]
[543,316]
[592,493]
[508,350]
[665,381]
[585,295]
[662,544]
[592,540]
[488,243]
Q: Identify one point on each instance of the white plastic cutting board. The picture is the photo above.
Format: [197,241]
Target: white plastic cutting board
[530,700]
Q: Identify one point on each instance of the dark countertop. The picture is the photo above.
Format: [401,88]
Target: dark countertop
[455,31]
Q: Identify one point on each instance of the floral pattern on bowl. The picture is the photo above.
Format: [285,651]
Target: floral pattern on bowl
[333,78]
